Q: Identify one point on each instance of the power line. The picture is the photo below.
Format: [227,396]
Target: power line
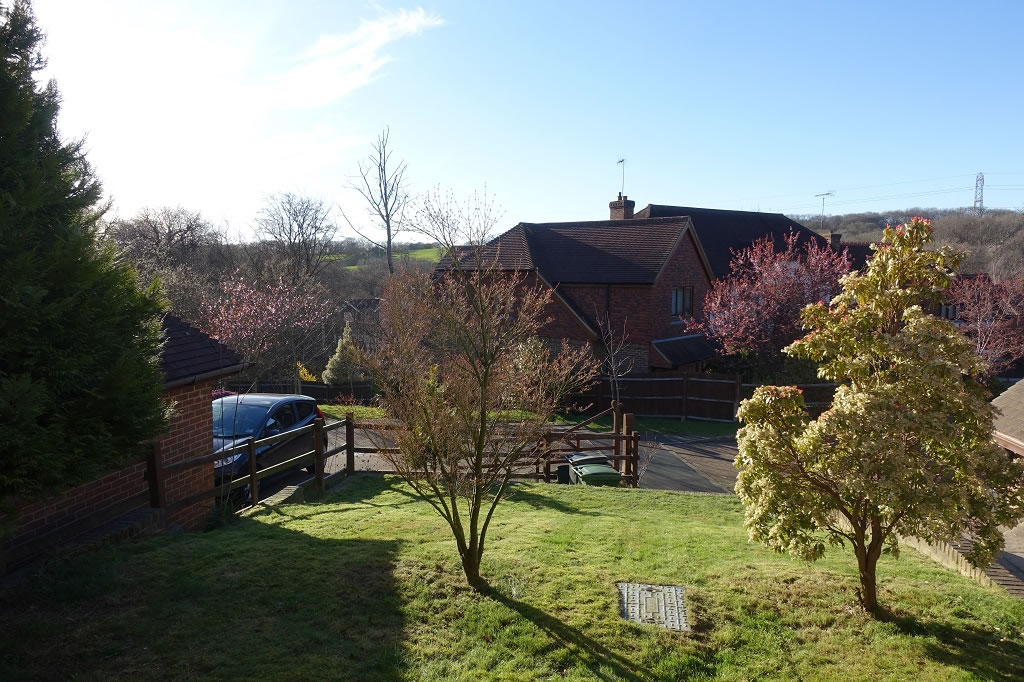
[882,198]
[854,189]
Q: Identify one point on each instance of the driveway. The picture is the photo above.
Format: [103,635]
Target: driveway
[703,465]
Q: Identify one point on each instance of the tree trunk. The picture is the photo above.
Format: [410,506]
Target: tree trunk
[867,560]
[471,566]
[868,589]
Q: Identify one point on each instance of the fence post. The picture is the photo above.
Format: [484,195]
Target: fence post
[739,394]
[350,443]
[617,428]
[155,474]
[318,454]
[254,482]
[627,430]
[686,389]
[635,461]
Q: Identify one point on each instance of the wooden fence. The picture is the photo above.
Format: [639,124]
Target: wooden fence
[621,446]
[156,470]
[360,391]
[622,443]
[705,397]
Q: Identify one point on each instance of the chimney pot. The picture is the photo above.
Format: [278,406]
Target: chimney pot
[621,208]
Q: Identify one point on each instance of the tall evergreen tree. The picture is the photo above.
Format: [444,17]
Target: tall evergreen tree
[80,381]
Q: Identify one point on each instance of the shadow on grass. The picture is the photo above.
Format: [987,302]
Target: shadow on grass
[593,654]
[255,600]
[989,654]
[517,492]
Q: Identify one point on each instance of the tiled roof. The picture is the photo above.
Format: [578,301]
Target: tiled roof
[592,252]
[1011,422]
[722,231]
[686,350]
[188,353]
[859,253]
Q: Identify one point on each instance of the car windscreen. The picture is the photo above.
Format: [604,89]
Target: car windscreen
[233,420]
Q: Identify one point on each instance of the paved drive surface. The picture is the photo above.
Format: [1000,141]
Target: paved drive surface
[703,465]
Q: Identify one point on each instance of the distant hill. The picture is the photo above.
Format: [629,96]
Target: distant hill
[994,242]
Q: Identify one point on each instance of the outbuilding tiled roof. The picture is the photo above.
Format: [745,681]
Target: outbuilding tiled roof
[189,354]
[1010,424]
[591,252]
[722,231]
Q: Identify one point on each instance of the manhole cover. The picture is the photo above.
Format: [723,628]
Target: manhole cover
[660,605]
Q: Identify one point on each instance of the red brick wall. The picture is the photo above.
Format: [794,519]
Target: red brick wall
[96,502]
[644,309]
[191,435]
[684,269]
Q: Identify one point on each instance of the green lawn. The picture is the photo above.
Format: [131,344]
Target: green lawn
[645,426]
[360,411]
[367,586]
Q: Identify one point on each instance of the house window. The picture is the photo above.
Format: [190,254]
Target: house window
[682,302]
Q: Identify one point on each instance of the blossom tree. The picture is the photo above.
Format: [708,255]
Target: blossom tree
[991,313]
[458,365]
[755,309]
[906,447]
[272,325]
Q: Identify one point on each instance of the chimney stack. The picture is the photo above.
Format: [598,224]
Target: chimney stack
[621,208]
[835,240]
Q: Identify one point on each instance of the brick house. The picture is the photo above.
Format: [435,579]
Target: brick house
[647,274]
[649,270]
[192,362]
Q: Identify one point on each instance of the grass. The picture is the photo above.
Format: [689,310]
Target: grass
[643,425]
[360,411]
[366,585]
[430,255]
[667,426]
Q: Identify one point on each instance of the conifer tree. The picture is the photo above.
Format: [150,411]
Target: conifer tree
[80,381]
[342,367]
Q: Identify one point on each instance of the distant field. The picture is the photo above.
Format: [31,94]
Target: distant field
[424,255]
[429,254]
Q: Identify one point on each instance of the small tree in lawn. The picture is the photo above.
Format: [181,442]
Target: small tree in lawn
[991,313]
[458,365]
[905,449]
[616,362]
[754,311]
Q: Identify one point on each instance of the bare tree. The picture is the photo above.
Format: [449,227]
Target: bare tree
[154,239]
[460,368]
[302,228]
[382,185]
[616,362]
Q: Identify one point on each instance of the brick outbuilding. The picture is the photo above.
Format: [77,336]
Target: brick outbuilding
[192,363]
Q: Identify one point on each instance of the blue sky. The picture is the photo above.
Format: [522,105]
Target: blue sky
[743,105]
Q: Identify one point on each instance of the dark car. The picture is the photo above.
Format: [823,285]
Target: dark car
[237,418]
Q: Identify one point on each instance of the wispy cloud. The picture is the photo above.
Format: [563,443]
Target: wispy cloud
[338,64]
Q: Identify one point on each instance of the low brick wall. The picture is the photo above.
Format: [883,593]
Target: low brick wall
[56,519]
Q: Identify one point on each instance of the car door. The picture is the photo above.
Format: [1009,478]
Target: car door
[281,420]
